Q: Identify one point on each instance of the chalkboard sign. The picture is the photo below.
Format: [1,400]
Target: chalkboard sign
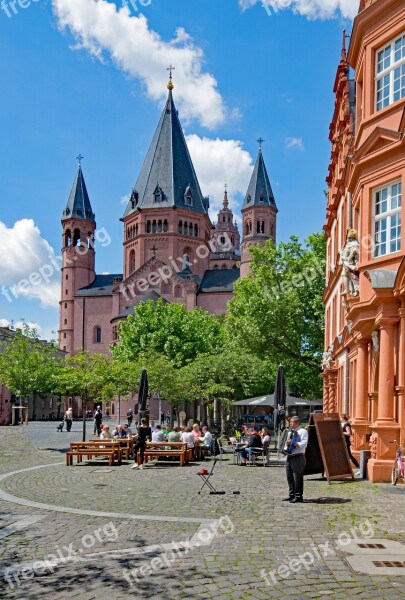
[331,446]
[313,455]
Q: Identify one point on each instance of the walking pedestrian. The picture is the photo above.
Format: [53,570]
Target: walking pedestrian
[98,418]
[68,419]
[144,434]
[129,417]
[296,445]
[347,433]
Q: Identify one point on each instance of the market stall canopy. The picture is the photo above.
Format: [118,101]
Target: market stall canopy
[269,401]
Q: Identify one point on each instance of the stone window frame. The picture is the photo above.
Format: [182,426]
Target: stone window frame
[387,221]
[389,69]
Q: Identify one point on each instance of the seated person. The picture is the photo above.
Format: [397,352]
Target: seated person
[166,430]
[105,433]
[188,437]
[120,432]
[127,430]
[206,438]
[265,435]
[254,441]
[152,426]
[116,430]
[174,435]
[196,431]
[157,435]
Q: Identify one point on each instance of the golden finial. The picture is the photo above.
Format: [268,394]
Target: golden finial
[170,85]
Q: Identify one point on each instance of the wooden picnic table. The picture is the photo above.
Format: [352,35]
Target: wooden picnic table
[157,449]
[126,444]
[108,448]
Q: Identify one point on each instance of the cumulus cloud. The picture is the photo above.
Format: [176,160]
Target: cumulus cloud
[105,30]
[312,9]
[294,143]
[23,253]
[217,161]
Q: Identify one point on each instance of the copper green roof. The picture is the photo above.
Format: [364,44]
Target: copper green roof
[78,206]
[167,177]
[259,191]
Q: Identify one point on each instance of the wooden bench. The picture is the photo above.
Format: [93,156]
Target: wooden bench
[111,450]
[168,449]
[126,444]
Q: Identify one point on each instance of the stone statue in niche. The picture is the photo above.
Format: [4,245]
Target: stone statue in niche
[349,257]
[373,445]
[327,358]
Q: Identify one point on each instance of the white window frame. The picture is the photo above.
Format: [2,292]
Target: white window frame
[388,215]
[385,70]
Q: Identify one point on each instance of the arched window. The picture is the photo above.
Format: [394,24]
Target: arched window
[178,292]
[153,226]
[65,321]
[188,196]
[250,226]
[148,227]
[136,229]
[128,233]
[68,237]
[232,240]
[223,267]
[165,225]
[159,225]
[187,258]
[247,228]
[180,226]
[216,266]
[76,237]
[132,261]
[223,218]
[196,230]
[112,408]
[97,335]
[167,287]
[185,228]
[222,240]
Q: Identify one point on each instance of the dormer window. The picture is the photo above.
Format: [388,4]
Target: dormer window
[261,199]
[158,194]
[188,196]
[248,198]
[134,198]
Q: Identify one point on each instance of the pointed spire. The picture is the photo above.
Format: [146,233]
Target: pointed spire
[226,202]
[78,205]
[168,165]
[259,191]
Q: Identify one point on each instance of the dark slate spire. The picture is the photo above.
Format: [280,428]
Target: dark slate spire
[167,177]
[78,206]
[259,191]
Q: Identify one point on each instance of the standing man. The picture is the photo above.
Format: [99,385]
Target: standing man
[129,417]
[295,450]
[98,418]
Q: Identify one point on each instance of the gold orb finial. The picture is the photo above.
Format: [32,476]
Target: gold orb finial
[170,85]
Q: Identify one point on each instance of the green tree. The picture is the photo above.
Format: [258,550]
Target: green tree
[169,330]
[28,365]
[277,312]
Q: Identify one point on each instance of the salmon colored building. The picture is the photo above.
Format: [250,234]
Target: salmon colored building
[364,358]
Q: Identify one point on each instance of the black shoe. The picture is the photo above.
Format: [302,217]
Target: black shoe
[297,500]
[289,499]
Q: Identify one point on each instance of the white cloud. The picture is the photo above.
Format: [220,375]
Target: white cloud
[24,254]
[217,161]
[312,9]
[101,28]
[294,143]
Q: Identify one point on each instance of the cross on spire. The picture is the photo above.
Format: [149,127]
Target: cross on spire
[170,68]
[260,142]
[80,158]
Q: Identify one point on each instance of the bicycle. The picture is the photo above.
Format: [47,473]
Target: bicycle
[398,468]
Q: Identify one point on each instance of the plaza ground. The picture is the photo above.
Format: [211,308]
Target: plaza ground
[72,513]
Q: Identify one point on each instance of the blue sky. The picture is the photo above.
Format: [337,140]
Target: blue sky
[80,77]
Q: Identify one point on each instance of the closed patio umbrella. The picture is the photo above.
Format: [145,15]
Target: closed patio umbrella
[280,399]
[143,396]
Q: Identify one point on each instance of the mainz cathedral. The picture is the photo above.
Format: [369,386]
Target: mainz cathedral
[171,248]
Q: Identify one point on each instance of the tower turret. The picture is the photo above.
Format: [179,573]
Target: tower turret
[259,212]
[78,255]
[225,239]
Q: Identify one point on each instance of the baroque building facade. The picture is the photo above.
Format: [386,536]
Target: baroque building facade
[171,249]
[364,358]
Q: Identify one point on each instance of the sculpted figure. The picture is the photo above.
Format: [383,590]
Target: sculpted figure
[349,257]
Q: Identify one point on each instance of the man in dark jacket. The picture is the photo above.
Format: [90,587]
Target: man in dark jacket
[254,443]
[98,418]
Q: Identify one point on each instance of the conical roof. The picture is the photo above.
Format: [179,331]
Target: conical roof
[167,177]
[259,191]
[78,206]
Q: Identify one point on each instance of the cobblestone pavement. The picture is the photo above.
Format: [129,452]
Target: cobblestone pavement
[121,520]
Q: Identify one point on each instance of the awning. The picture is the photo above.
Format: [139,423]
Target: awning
[269,401]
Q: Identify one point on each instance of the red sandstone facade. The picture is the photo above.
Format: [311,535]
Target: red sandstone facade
[364,359]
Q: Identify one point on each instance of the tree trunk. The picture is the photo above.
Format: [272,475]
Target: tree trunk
[84,411]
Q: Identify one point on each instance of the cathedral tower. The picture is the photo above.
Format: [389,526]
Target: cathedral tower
[259,212]
[225,239]
[78,256]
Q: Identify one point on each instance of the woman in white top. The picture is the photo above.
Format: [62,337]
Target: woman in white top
[265,435]
[105,433]
[188,437]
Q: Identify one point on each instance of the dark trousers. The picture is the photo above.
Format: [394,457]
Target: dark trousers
[354,461]
[141,446]
[68,425]
[295,475]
